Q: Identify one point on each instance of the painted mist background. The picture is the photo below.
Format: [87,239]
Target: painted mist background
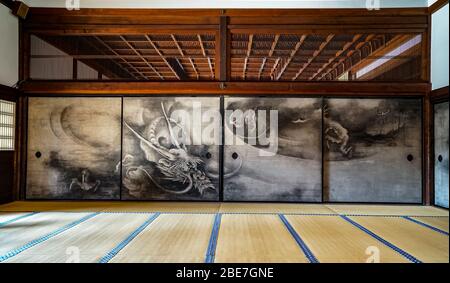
[294,173]
[367,143]
[73,148]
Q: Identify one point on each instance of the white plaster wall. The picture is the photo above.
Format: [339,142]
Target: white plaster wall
[439,48]
[9,47]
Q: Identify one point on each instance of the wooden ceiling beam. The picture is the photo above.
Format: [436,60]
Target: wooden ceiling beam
[339,53]
[291,56]
[109,88]
[262,68]
[210,67]
[177,45]
[163,57]
[200,41]
[101,51]
[122,59]
[316,53]
[249,45]
[274,67]
[274,45]
[142,58]
[245,68]
[194,68]
[349,53]
[249,51]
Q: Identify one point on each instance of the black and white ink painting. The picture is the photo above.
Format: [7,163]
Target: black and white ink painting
[372,150]
[73,148]
[171,148]
[441,117]
[272,149]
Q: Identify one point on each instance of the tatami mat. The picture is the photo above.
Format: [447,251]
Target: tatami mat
[421,242]
[256,238]
[214,207]
[437,222]
[86,242]
[21,232]
[332,239]
[247,232]
[10,216]
[285,208]
[170,238]
[412,210]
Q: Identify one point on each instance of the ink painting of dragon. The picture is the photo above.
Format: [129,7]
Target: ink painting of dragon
[168,154]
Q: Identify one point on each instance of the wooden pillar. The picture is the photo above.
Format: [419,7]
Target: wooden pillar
[223,62]
[75,69]
[427,150]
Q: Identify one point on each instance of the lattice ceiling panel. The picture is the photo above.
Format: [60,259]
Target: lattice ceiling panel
[143,57]
[254,57]
[303,57]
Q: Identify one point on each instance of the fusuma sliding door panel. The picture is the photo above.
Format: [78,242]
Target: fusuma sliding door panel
[272,149]
[171,148]
[441,129]
[372,150]
[73,148]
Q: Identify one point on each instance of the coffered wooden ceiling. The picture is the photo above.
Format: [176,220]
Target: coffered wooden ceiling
[254,57]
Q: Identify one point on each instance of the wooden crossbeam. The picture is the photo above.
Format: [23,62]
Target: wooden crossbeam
[200,41]
[142,58]
[101,51]
[275,65]
[262,68]
[177,75]
[178,68]
[349,53]
[339,53]
[245,67]
[210,67]
[274,45]
[194,68]
[177,45]
[315,54]
[291,56]
[249,51]
[250,44]
[123,60]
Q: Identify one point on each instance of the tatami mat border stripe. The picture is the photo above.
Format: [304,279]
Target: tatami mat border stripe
[426,225]
[211,251]
[127,240]
[391,215]
[37,241]
[234,213]
[17,218]
[386,243]
[308,253]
